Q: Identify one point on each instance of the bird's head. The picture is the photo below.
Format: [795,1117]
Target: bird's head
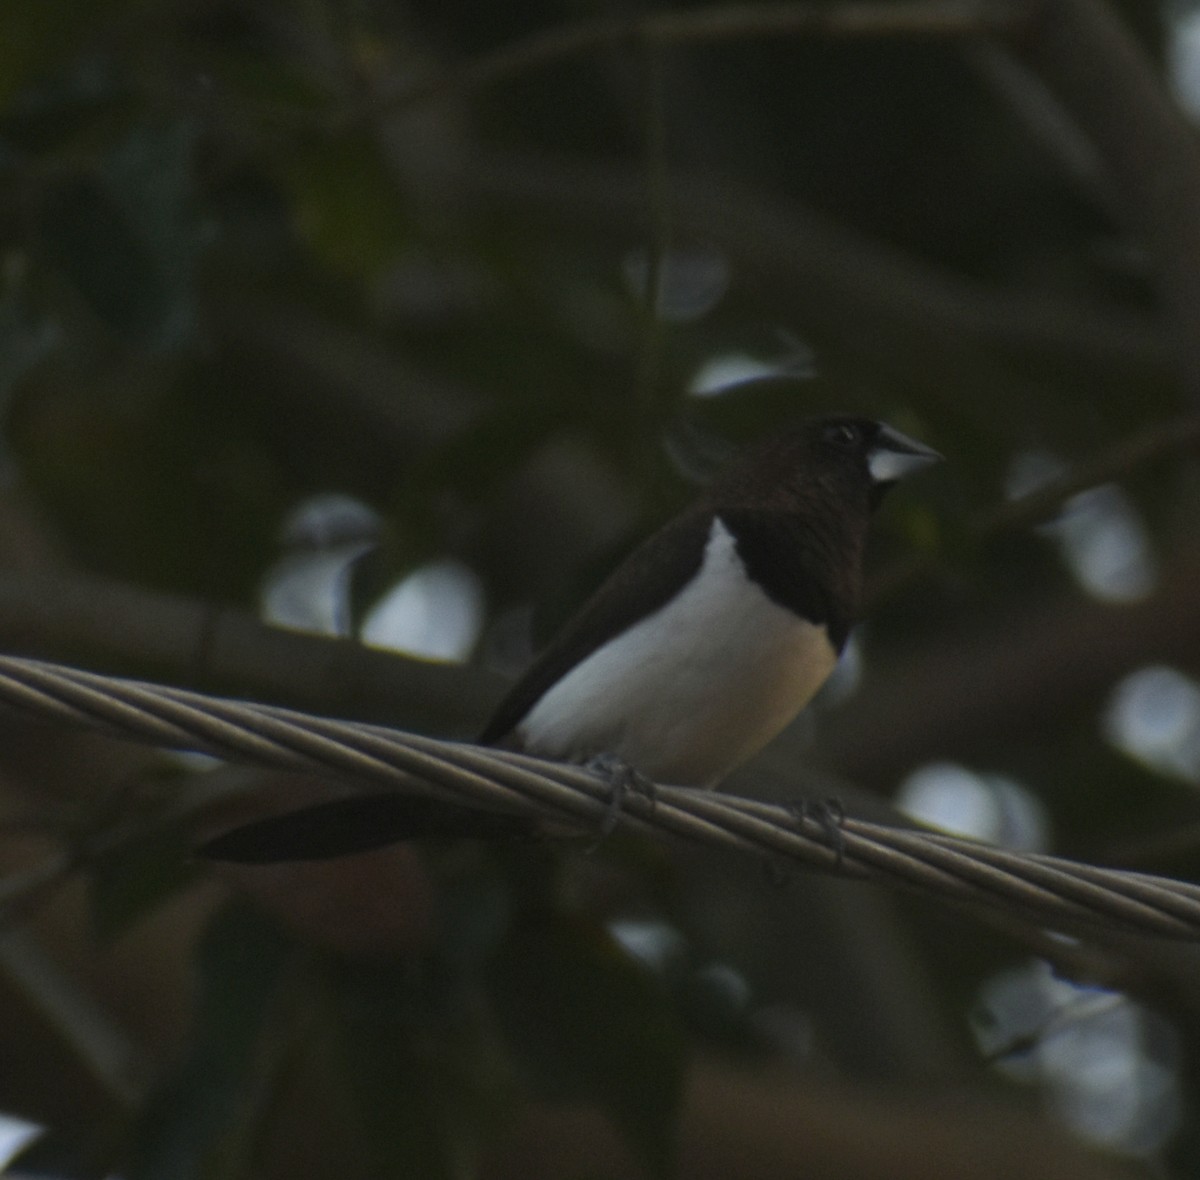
[847,458]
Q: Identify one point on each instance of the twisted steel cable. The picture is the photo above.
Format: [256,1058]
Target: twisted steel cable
[1046,889]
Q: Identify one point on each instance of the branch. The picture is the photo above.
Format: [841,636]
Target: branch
[21,893]
[101,1045]
[1160,440]
[947,19]
[322,380]
[1109,87]
[980,690]
[91,619]
[1079,48]
[763,1125]
[1044,889]
[878,307]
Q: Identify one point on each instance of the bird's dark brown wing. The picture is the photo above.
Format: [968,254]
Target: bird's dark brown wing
[645,581]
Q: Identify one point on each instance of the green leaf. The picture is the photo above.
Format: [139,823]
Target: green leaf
[89,237]
[347,206]
[266,84]
[150,175]
[587,1021]
[126,237]
[59,1151]
[35,39]
[430,1081]
[481,457]
[130,881]
[26,337]
[475,909]
[189,1124]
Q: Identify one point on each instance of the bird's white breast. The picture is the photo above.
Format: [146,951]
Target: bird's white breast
[692,690]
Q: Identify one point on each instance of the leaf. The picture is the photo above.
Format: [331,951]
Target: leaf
[150,175]
[130,881]
[587,1021]
[347,206]
[475,907]
[479,458]
[126,236]
[90,238]
[59,1151]
[37,38]
[429,1079]
[26,337]
[266,84]
[189,1123]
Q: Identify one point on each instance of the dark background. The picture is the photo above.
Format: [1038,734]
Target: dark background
[300,299]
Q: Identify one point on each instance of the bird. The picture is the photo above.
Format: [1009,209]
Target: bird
[696,651]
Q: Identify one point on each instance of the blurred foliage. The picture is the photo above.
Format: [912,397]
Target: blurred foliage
[255,252]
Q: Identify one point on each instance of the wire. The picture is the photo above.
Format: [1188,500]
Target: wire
[1048,890]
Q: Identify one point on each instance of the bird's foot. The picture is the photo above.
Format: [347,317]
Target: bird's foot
[828,815]
[622,780]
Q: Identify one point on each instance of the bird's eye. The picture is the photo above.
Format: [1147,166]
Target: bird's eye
[841,434]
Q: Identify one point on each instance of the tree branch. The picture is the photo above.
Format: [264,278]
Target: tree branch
[981,690]
[98,621]
[1159,440]
[878,307]
[104,1048]
[712,23]
[1110,88]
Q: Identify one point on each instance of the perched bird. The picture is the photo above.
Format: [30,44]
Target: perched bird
[696,651]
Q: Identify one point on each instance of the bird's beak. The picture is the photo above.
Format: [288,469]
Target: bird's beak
[895,455]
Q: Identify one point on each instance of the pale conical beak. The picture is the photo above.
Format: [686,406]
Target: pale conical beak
[895,455]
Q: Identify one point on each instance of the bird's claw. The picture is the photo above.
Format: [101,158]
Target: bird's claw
[829,815]
[622,780]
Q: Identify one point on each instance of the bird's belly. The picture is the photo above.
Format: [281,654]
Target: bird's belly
[691,691]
